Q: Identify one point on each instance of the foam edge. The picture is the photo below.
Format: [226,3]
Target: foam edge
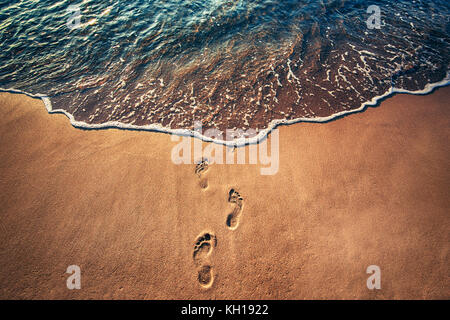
[240,142]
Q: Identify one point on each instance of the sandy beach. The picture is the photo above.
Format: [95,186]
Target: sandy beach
[367,189]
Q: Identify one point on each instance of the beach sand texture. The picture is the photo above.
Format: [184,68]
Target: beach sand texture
[367,189]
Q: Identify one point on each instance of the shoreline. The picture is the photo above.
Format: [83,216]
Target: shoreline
[241,142]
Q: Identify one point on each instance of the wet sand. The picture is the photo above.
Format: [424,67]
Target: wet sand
[367,189]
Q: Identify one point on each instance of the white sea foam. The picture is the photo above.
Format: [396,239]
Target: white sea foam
[237,142]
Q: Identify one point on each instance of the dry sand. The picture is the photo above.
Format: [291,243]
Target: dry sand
[368,189]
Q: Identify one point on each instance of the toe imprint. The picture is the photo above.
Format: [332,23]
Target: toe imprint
[201,167]
[204,246]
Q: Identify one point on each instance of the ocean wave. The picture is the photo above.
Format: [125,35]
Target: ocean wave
[239,142]
[237,65]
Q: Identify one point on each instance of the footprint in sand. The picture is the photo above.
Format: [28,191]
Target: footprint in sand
[234,217]
[205,276]
[200,168]
[203,247]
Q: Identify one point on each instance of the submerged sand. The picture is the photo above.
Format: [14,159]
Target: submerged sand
[367,189]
